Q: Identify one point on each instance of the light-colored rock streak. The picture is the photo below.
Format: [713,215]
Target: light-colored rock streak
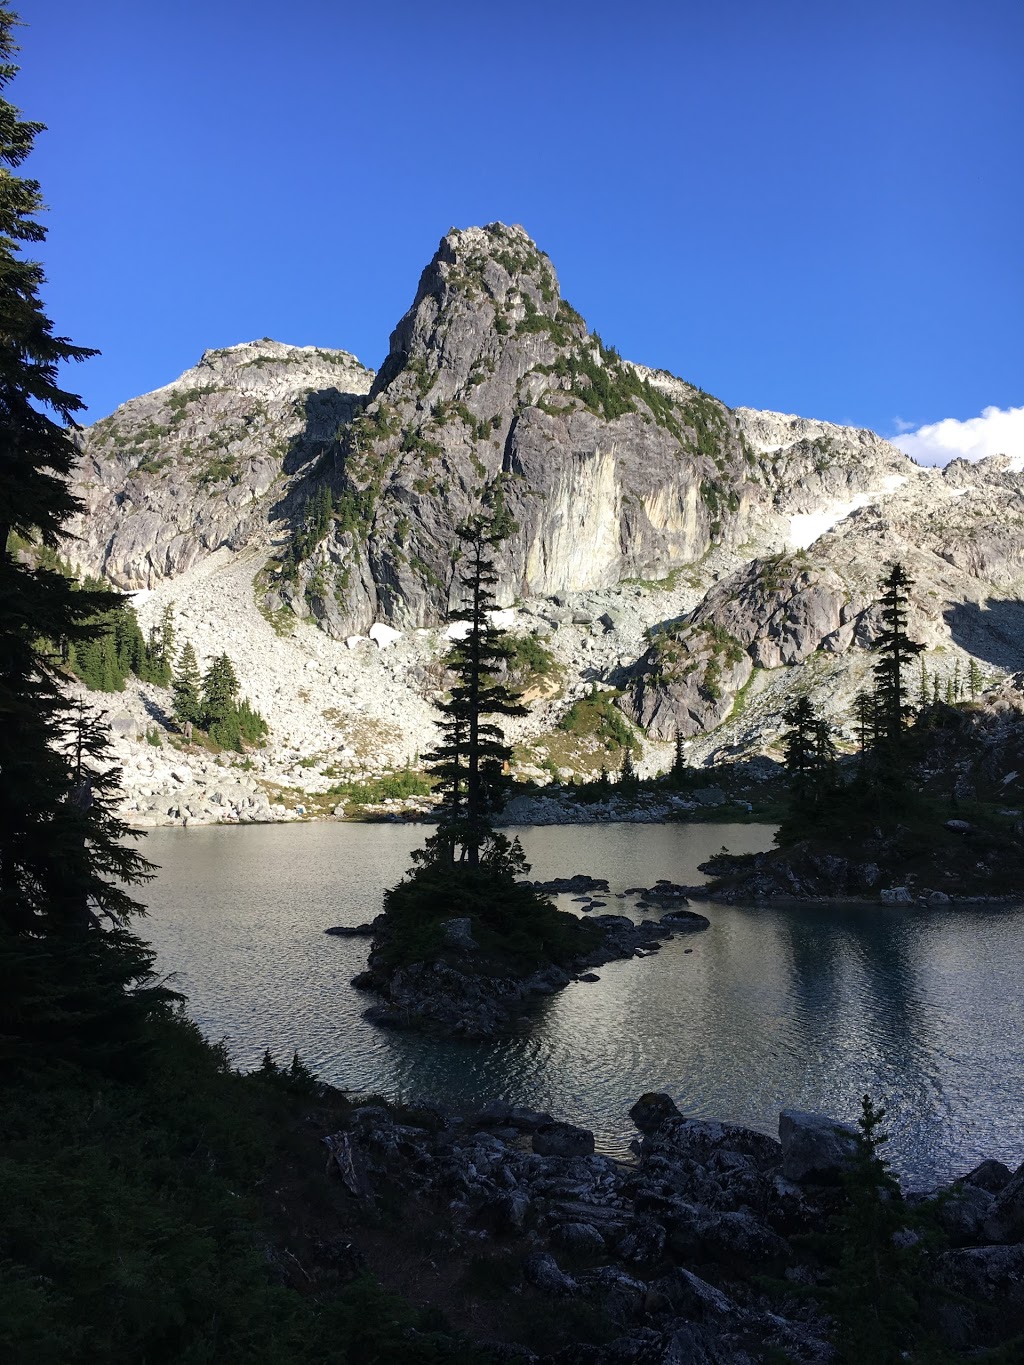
[577,545]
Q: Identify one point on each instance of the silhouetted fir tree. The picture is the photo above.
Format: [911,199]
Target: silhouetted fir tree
[866,724]
[604,785]
[923,695]
[810,752]
[471,759]
[677,772]
[895,650]
[185,688]
[880,1278]
[63,855]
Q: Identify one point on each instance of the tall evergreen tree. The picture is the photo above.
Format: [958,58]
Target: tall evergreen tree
[470,760]
[810,752]
[185,688]
[895,650]
[627,772]
[220,688]
[62,853]
[866,723]
[677,773]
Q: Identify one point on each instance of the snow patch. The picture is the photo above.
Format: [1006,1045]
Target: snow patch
[383,635]
[807,527]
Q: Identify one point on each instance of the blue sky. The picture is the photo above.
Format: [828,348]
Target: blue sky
[801,206]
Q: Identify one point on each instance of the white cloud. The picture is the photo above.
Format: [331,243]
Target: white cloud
[998,431]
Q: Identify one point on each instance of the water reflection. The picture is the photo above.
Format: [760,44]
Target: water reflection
[803,1006]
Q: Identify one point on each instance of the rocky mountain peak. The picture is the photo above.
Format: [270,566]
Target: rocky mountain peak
[483,294]
[192,467]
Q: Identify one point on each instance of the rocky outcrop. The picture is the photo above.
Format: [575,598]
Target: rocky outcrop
[698,1251]
[772,613]
[208,461]
[460,991]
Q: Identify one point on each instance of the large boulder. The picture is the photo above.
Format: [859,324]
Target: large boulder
[1005,1223]
[815,1149]
[990,1175]
[651,1111]
[563,1139]
[964,1213]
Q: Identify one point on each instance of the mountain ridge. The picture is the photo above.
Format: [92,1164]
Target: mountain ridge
[647,509]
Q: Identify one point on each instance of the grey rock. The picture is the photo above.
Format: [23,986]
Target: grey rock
[896,895]
[992,1273]
[542,1271]
[500,1112]
[458,934]
[643,1243]
[990,1175]
[964,1213]
[509,1212]
[1005,1222]
[562,1139]
[651,1111]
[582,1239]
[814,1148]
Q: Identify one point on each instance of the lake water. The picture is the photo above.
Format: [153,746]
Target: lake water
[803,1006]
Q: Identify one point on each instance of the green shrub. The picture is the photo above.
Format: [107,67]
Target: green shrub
[597,717]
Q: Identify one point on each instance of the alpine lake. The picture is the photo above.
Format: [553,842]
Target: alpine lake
[798,1006]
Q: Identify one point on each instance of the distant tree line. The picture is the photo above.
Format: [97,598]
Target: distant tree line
[115,648]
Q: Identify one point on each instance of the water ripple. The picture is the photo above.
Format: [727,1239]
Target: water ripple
[809,1007]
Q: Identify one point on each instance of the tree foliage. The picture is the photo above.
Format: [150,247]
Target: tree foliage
[470,759]
[65,952]
[895,650]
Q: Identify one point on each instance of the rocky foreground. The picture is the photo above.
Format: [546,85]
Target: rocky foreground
[696,1254]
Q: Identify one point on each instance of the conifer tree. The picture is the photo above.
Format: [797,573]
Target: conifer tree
[866,722]
[220,688]
[895,650]
[470,760]
[185,688]
[65,954]
[810,751]
[627,773]
[800,743]
[677,773]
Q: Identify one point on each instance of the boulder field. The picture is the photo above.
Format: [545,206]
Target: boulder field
[698,1250]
